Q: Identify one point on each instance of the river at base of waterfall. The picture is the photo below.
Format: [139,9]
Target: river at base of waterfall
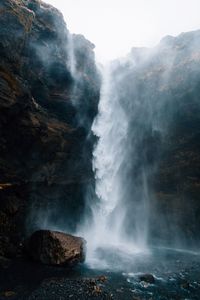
[157,274]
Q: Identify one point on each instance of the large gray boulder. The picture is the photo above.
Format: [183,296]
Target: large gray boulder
[56,248]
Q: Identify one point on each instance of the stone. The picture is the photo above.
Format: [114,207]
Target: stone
[102,278]
[148,278]
[56,248]
[4,262]
[185,285]
[9,294]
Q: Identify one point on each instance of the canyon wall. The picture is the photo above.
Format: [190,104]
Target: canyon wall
[159,90]
[49,93]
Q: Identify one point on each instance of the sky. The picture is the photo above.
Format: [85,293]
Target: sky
[115,26]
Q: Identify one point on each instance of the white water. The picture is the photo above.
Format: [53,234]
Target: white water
[72,60]
[109,213]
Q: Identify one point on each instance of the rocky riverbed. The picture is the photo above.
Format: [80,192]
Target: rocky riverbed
[175,273]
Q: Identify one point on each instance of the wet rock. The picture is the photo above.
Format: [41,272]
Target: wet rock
[46,151]
[4,262]
[56,248]
[9,294]
[8,248]
[65,288]
[172,150]
[97,290]
[102,278]
[148,278]
[185,285]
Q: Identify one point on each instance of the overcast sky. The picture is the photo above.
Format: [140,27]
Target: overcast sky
[115,26]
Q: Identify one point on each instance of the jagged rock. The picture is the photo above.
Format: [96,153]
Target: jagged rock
[148,278]
[56,248]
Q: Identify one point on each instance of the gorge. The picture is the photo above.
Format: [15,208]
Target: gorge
[109,153]
[147,123]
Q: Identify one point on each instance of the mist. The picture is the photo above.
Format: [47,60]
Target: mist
[138,111]
[117,26]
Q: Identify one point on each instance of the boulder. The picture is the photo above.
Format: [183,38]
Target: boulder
[56,248]
[148,278]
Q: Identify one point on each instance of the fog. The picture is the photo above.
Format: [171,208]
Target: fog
[115,26]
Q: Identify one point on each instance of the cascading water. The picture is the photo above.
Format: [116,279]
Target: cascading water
[72,60]
[111,128]
[111,165]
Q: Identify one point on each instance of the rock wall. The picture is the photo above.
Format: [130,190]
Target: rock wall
[159,90]
[49,93]
[177,179]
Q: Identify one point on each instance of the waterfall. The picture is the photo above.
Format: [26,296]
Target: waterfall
[110,127]
[112,158]
[72,59]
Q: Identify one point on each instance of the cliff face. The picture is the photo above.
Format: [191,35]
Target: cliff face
[49,93]
[177,179]
[159,90]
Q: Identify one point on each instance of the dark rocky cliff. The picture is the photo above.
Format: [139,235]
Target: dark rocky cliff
[49,93]
[159,89]
[177,179]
